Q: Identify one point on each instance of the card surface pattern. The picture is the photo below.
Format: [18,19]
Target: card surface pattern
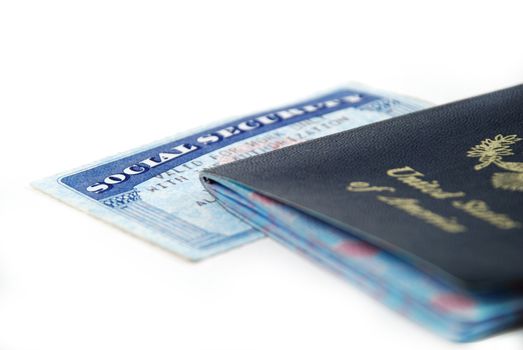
[154,191]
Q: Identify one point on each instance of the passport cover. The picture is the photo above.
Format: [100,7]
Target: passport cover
[442,187]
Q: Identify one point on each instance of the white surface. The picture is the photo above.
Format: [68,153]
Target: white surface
[83,80]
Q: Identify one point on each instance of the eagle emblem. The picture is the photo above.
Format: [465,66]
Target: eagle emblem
[492,151]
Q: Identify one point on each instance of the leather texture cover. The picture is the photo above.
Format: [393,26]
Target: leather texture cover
[442,187]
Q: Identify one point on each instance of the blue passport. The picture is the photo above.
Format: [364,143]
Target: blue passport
[424,212]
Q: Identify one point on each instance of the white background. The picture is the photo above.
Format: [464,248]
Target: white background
[83,80]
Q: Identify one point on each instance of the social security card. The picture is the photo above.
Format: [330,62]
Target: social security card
[154,191]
